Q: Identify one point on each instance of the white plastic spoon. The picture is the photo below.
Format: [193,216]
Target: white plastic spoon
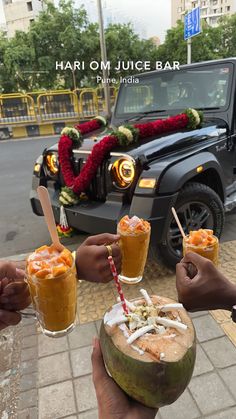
[49,216]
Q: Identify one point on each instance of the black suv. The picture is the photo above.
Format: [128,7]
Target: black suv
[194,171]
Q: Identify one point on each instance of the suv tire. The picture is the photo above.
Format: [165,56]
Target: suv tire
[197,206]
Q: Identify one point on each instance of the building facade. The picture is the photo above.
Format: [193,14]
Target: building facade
[211,10]
[3,29]
[19,14]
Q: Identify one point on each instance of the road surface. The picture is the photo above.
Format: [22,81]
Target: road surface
[20,230]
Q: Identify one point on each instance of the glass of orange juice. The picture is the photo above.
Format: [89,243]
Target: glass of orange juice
[51,276]
[204,243]
[134,241]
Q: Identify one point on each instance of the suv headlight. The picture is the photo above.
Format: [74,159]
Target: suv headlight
[123,172]
[52,163]
[38,165]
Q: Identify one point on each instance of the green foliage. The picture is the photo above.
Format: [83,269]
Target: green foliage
[228,36]
[205,46]
[123,44]
[64,33]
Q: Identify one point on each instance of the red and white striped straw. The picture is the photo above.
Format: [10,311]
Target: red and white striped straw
[118,286]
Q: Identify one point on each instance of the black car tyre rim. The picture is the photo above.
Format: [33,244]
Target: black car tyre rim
[193,216]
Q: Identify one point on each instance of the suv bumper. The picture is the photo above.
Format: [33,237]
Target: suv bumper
[98,217]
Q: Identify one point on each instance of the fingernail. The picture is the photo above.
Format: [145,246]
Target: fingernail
[20,272]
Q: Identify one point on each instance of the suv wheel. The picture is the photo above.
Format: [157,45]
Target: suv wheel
[197,206]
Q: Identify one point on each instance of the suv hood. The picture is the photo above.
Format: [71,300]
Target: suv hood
[161,145]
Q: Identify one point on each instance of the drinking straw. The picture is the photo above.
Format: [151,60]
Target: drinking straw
[117,282]
[178,222]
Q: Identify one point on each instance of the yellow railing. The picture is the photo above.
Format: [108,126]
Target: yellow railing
[53,105]
[101,97]
[16,109]
[56,106]
[88,103]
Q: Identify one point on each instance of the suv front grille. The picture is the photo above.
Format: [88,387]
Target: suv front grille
[98,187]
[101,184]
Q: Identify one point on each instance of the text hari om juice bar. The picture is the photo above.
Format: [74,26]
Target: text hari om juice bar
[52,281]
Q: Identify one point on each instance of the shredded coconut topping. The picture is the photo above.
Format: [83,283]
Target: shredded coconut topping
[130,305]
[171,323]
[146,319]
[117,320]
[146,297]
[139,333]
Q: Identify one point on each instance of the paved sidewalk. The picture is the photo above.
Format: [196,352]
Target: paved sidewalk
[55,375]
[44,378]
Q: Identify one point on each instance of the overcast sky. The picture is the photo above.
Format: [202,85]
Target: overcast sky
[150,17]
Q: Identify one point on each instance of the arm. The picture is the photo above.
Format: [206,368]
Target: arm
[201,286]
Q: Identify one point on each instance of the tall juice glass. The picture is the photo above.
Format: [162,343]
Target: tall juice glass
[134,241]
[204,243]
[51,277]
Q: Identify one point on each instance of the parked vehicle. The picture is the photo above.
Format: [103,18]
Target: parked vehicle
[194,171]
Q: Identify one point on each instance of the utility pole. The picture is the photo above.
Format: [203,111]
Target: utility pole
[189,51]
[105,72]
[192,26]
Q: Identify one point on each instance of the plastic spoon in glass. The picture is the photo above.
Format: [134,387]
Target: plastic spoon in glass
[49,216]
[50,221]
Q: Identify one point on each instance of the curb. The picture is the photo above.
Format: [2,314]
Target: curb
[16,258]
[34,130]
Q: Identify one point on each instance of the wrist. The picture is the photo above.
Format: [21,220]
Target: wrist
[78,270]
[229,297]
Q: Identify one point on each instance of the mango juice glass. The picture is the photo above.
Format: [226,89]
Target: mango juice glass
[54,299]
[204,243]
[134,242]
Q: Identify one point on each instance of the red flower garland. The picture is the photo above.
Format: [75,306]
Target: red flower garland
[89,126]
[80,183]
[161,126]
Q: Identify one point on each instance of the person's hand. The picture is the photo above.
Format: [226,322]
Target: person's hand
[14,294]
[201,286]
[92,258]
[113,403]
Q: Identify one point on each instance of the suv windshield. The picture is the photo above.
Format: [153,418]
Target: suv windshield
[205,87]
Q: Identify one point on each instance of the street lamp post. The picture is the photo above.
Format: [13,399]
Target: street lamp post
[189,51]
[189,40]
[104,59]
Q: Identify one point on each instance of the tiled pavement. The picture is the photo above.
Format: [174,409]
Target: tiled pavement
[56,375]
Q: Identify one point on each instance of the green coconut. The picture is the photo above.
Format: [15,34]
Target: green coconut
[156,383]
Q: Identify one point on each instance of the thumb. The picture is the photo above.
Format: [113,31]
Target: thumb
[194,258]
[20,274]
[100,239]
[182,278]
[99,370]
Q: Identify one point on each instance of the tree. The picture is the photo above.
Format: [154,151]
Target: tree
[205,46]
[123,44]
[18,57]
[64,33]
[228,36]
[59,35]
